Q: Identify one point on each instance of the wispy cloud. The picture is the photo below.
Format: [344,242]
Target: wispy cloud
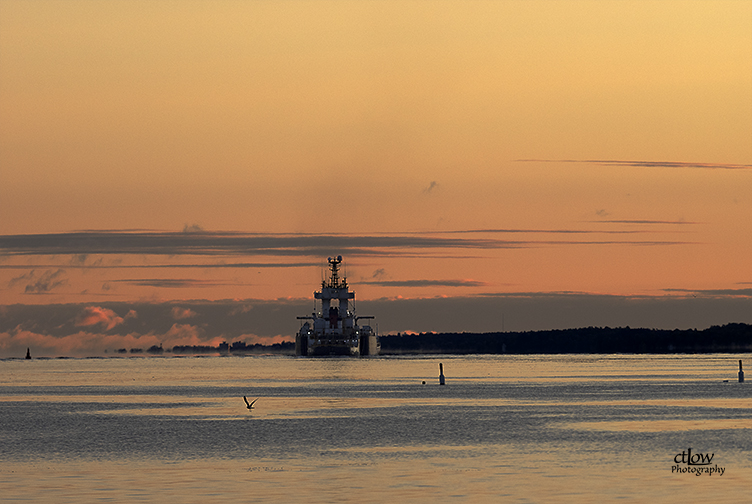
[379,273]
[193,228]
[646,164]
[648,222]
[179,313]
[307,245]
[171,283]
[538,231]
[225,243]
[425,283]
[714,292]
[433,185]
[99,264]
[35,284]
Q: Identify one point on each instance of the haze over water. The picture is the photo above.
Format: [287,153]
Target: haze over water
[504,428]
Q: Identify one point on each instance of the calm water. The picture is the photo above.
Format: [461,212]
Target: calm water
[503,429]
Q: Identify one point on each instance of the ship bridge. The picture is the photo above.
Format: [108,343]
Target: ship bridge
[335,288]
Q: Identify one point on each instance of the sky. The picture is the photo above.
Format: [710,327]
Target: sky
[481,166]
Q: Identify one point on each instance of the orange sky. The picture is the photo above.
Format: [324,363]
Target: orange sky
[611,142]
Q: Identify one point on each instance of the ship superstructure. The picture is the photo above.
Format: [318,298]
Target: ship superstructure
[334,329]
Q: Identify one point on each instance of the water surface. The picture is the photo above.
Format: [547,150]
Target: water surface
[504,428]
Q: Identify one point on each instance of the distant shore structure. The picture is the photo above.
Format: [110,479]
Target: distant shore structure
[28,353]
[741,372]
[334,330]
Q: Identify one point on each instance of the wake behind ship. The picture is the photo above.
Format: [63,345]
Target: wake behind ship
[334,330]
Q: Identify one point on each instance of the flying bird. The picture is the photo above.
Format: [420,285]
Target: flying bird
[249,405]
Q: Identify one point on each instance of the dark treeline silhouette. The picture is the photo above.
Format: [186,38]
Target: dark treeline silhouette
[237,347]
[194,349]
[731,338]
[154,349]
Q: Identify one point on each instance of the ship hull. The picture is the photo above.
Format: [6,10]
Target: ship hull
[313,347]
[326,350]
[369,345]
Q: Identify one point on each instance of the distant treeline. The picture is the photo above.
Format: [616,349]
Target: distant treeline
[731,338]
[238,347]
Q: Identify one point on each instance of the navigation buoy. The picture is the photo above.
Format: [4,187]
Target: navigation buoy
[28,354]
[441,374]
[741,373]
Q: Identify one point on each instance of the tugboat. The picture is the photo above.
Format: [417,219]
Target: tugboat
[335,330]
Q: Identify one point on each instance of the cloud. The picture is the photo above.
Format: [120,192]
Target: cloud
[715,292]
[532,311]
[379,273]
[78,259]
[52,330]
[88,344]
[171,283]
[77,344]
[211,243]
[644,221]
[433,185]
[311,245]
[41,285]
[183,334]
[182,313]
[245,308]
[104,317]
[99,264]
[193,228]
[647,164]
[426,283]
[536,231]
[253,339]
[23,278]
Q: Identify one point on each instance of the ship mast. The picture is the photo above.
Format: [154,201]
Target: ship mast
[334,288]
[334,281]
